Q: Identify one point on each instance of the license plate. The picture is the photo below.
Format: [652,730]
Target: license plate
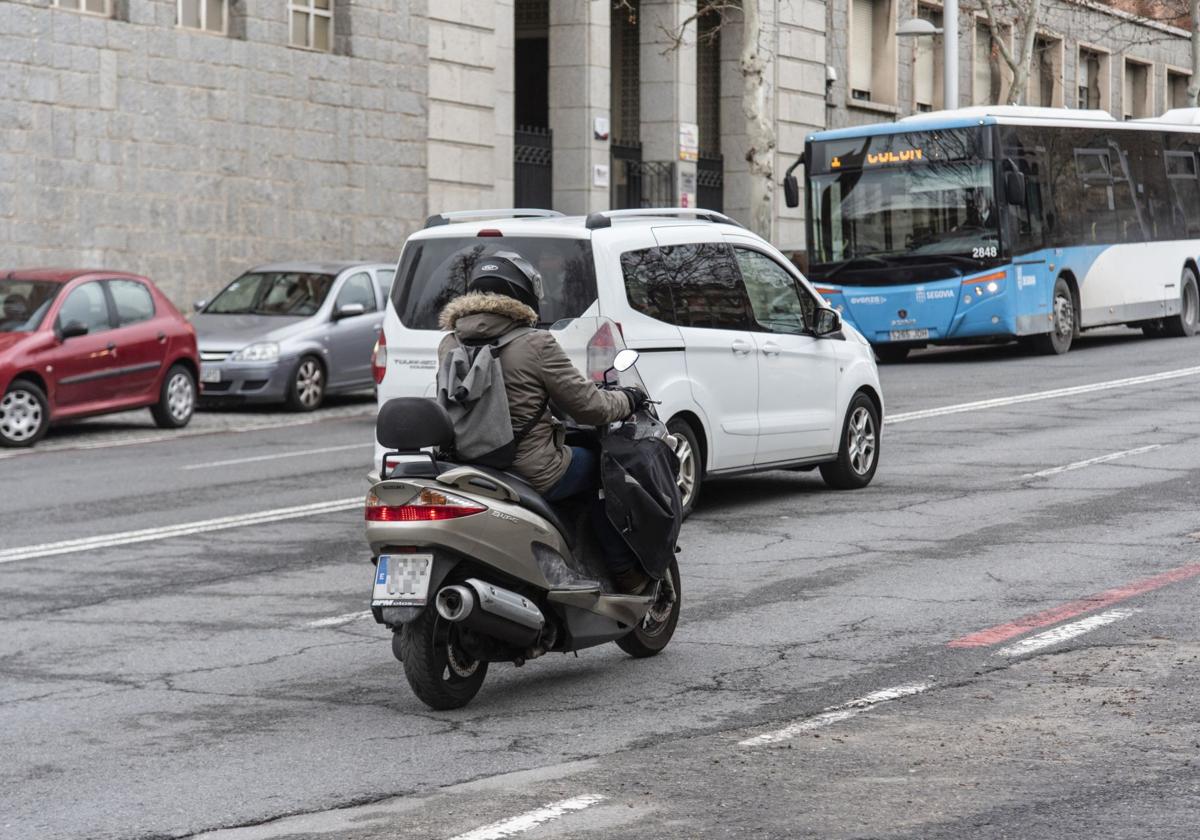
[210,374]
[908,335]
[402,580]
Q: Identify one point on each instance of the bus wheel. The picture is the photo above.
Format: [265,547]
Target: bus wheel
[1185,323]
[1062,331]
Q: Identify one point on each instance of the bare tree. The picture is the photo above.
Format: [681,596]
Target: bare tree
[1024,16]
[1193,88]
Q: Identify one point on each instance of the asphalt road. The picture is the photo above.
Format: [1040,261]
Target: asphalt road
[996,639]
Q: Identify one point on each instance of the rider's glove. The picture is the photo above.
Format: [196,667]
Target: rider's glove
[637,398]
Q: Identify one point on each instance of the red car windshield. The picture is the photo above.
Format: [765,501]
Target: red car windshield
[24,303]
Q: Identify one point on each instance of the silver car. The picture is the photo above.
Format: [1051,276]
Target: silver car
[292,332]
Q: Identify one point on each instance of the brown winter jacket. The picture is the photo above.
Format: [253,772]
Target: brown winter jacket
[535,366]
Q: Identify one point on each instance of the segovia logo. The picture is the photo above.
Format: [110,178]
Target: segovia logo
[895,157]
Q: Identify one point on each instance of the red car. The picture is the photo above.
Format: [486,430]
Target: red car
[77,342]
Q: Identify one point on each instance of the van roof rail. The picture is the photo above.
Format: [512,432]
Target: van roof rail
[477,215]
[604,218]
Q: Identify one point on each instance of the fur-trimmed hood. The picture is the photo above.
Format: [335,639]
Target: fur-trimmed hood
[486,303]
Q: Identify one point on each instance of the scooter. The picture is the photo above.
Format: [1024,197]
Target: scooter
[473,566]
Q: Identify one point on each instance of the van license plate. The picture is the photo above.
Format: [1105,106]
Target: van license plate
[209,374]
[908,335]
[402,580]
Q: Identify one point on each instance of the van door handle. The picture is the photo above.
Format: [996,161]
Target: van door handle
[740,347]
[770,348]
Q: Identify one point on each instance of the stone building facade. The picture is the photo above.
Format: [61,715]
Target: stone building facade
[191,139]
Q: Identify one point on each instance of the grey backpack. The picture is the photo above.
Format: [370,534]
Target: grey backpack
[471,388]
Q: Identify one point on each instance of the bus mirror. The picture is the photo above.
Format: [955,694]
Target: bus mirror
[791,191]
[1014,187]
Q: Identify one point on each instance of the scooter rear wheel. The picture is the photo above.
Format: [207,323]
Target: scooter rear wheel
[656,630]
[440,673]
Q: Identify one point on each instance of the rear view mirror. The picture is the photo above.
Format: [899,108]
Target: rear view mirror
[349,310]
[1014,187]
[199,304]
[791,191]
[73,329]
[827,322]
[625,360]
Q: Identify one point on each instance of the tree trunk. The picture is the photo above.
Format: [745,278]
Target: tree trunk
[761,132]
[1193,88]
[1020,82]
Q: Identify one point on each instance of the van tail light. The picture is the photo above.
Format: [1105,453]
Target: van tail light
[601,351]
[489,232]
[428,506]
[379,360]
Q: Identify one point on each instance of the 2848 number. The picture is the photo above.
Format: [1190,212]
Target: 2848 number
[984,251]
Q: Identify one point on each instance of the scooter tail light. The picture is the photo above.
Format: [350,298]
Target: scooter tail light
[428,506]
[379,360]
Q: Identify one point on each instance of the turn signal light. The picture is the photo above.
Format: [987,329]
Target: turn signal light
[429,506]
[379,359]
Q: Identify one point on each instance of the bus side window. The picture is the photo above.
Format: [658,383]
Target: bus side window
[1182,178]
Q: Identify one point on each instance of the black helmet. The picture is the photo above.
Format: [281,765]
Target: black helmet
[507,273]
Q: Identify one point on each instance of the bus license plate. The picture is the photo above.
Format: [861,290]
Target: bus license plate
[402,580]
[908,335]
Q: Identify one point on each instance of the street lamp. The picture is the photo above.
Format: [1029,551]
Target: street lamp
[920,27]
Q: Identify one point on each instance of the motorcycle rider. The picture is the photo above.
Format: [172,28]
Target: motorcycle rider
[503,292]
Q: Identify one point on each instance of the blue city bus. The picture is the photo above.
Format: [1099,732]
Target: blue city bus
[1001,223]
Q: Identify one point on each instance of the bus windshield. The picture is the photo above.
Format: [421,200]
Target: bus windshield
[929,212]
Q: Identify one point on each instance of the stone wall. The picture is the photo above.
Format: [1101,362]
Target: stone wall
[134,144]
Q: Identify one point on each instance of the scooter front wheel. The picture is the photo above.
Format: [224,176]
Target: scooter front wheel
[441,674]
[657,628]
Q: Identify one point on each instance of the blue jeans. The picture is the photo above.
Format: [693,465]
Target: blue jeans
[583,476]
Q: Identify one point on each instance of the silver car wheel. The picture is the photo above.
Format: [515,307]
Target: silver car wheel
[860,441]
[181,397]
[687,469]
[310,383]
[20,415]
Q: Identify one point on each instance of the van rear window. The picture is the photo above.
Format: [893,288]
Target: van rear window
[434,271]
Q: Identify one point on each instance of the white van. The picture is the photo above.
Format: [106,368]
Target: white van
[754,370]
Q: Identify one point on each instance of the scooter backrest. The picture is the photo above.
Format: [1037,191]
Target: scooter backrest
[410,423]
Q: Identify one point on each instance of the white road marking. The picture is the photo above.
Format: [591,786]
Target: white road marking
[531,819]
[836,714]
[1065,632]
[158,437]
[339,620]
[1102,459]
[1035,396]
[183,529]
[255,458]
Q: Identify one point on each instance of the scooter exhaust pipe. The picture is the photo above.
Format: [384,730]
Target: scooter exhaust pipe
[492,611]
[454,603]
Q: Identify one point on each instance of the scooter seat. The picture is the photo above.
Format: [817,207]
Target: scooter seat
[530,499]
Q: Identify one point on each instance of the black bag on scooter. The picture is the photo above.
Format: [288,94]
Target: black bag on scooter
[639,472]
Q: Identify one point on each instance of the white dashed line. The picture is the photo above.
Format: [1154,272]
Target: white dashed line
[1035,396]
[183,529]
[255,458]
[1102,459]
[1063,633]
[836,714]
[531,819]
[339,620]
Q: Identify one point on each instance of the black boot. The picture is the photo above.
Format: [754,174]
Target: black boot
[631,581]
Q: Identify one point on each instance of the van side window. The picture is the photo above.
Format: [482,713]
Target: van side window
[695,285]
[647,285]
[779,306]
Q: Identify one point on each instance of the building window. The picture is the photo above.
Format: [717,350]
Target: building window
[92,7]
[872,51]
[1177,93]
[1091,83]
[1136,97]
[208,15]
[1045,75]
[927,73]
[312,24]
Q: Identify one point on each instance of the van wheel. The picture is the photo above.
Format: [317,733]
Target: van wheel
[1185,323]
[176,399]
[691,463]
[1062,329]
[657,628]
[890,354]
[441,674]
[858,453]
[24,414]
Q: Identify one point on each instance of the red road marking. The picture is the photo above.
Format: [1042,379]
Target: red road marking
[1003,632]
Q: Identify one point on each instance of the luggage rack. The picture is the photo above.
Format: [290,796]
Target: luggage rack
[603,218]
[479,215]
